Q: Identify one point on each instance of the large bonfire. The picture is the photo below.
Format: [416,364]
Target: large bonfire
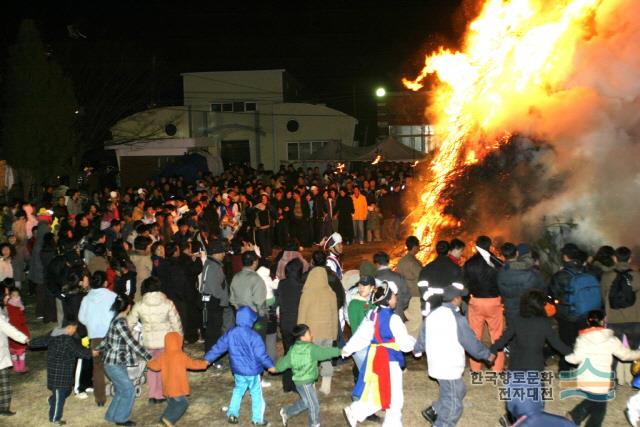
[517,63]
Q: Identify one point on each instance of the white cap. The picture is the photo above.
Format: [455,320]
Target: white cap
[333,240]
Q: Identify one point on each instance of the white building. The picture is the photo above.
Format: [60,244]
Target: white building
[237,116]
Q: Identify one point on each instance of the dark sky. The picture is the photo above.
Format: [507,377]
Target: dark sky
[333,48]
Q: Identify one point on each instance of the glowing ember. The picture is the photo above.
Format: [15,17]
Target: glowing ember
[514,53]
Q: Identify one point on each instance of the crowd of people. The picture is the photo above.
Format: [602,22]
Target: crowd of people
[127,277]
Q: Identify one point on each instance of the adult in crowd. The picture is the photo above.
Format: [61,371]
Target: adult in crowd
[620,286]
[174,280]
[141,259]
[75,289]
[214,292]
[291,251]
[158,316]
[409,267]
[191,262]
[344,211]
[384,273]
[119,350]
[318,309]
[565,283]
[95,313]
[485,305]
[248,289]
[528,330]
[515,278]
[438,274]
[289,294]
[359,215]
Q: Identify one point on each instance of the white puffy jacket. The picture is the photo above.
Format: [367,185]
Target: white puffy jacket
[158,316]
[596,347]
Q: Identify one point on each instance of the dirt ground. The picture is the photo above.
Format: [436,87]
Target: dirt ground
[211,391]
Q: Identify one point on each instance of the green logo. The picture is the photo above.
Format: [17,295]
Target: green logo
[569,383]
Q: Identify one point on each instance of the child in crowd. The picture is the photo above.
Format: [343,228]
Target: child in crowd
[374,223]
[249,358]
[594,351]
[63,350]
[449,336]
[6,331]
[385,337]
[15,311]
[173,364]
[302,359]
[6,268]
[357,310]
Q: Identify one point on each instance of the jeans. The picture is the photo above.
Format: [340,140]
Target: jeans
[308,401]
[122,402]
[591,410]
[522,399]
[449,403]
[358,230]
[176,407]
[56,403]
[258,405]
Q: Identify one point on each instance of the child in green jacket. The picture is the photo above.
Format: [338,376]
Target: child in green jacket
[303,360]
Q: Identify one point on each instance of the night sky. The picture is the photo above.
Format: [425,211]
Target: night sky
[335,49]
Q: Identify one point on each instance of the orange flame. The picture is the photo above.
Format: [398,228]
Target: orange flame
[377,160]
[514,54]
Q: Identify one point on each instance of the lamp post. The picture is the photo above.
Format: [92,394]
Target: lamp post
[381,108]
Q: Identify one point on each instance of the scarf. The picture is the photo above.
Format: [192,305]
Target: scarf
[486,256]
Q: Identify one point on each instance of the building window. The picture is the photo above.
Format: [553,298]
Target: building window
[216,108]
[238,107]
[250,106]
[303,149]
[293,125]
[227,107]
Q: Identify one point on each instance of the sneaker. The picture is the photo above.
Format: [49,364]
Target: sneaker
[7,413]
[261,423]
[504,421]
[59,423]
[284,417]
[165,422]
[232,420]
[348,415]
[265,384]
[82,395]
[88,390]
[430,414]
[374,419]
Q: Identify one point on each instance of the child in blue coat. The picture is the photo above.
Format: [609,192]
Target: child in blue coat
[249,358]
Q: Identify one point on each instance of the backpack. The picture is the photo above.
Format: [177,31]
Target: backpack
[621,294]
[583,293]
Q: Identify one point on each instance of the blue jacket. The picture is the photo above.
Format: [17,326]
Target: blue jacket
[245,346]
[95,312]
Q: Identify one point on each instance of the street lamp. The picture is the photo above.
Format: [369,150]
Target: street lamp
[381,92]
